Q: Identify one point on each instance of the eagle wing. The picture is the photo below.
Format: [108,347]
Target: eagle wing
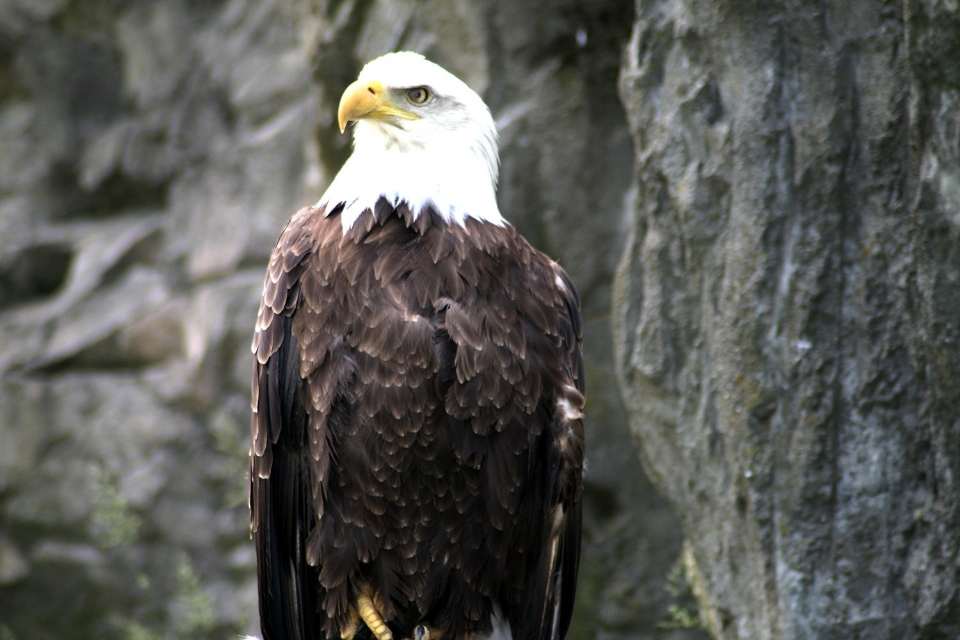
[281,504]
[552,585]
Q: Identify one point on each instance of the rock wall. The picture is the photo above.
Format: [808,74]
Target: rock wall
[787,308]
[150,152]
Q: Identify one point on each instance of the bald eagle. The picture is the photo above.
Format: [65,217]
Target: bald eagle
[417,440]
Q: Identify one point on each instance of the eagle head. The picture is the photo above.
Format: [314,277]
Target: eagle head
[422,137]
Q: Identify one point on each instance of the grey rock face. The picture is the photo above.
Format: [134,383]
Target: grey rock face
[787,308]
[149,154]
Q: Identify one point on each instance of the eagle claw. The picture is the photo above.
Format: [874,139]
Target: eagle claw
[369,610]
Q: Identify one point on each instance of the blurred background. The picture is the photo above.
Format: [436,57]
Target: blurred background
[759,203]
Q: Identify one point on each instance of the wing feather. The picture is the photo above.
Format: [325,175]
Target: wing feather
[556,461]
[280,490]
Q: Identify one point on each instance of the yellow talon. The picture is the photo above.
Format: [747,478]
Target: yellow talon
[370,613]
[371,610]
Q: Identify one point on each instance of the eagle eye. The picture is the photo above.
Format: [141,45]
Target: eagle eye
[418,95]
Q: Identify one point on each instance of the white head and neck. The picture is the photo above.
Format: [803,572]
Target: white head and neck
[422,137]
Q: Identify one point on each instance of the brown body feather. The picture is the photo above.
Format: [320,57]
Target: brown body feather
[417,391]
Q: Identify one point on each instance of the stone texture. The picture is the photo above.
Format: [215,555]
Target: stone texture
[150,153]
[781,183]
[787,309]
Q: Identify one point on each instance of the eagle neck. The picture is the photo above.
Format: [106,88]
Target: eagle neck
[457,183]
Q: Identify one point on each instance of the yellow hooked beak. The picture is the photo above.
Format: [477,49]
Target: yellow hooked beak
[368,100]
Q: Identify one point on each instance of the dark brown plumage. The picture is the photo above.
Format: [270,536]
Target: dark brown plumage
[417,428]
[406,427]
